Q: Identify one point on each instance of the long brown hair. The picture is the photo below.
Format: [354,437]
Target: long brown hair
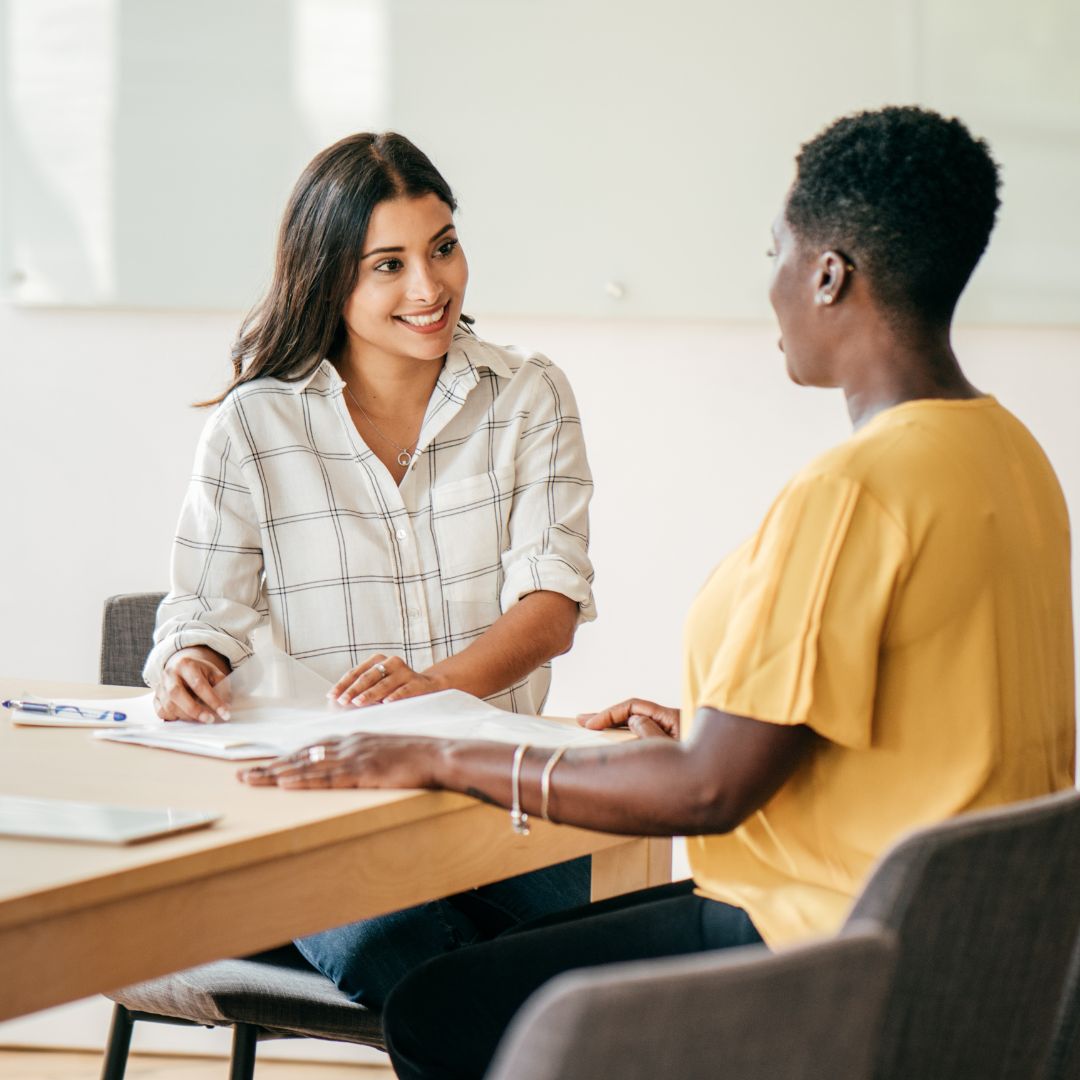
[299,322]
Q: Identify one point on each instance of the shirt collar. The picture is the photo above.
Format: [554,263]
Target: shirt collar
[466,356]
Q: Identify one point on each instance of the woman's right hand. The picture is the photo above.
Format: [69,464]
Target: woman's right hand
[186,690]
[644,718]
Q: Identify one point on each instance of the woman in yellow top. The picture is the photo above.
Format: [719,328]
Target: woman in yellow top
[892,647]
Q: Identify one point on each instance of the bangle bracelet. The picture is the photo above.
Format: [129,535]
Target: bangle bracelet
[545,781]
[519,820]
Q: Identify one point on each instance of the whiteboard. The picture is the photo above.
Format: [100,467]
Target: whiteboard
[611,159]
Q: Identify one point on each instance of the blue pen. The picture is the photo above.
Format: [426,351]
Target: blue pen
[51,708]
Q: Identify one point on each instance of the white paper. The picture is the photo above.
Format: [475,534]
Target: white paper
[277,705]
[268,728]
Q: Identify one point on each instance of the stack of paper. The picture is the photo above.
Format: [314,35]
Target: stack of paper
[267,729]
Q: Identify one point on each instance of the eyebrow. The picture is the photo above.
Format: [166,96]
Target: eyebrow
[390,250]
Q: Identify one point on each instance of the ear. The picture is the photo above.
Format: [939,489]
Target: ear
[830,276]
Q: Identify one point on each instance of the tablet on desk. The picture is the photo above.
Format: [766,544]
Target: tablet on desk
[98,823]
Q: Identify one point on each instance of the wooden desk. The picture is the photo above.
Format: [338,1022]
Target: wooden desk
[77,919]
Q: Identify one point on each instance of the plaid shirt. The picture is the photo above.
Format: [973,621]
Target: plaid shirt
[290,516]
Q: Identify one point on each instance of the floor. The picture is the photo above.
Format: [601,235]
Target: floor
[72,1065]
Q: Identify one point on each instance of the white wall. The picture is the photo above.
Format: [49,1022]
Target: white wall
[692,428]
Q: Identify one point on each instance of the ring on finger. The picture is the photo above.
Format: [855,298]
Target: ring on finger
[316,754]
[380,667]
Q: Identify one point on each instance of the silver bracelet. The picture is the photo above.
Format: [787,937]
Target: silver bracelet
[519,820]
[545,781]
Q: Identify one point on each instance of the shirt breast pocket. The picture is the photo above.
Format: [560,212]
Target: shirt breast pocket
[471,523]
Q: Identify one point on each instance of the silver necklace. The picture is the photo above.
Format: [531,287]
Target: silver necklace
[404,458]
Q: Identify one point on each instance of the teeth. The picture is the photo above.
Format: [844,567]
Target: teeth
[424,320]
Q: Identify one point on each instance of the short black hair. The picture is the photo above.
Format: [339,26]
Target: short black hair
[909,195]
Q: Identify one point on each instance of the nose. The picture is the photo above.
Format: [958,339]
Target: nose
[423,285]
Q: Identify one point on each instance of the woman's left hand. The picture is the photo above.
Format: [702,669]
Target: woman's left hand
[381,679]
[355,761]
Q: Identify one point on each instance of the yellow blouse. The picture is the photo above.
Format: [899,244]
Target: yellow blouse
[907,597]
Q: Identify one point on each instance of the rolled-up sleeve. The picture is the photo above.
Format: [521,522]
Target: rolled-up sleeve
[549,519]
[216,595]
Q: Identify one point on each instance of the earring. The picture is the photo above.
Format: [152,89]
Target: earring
[826,298]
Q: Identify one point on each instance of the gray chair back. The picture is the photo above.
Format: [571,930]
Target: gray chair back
[127,632]
[985,908]
[737,1014]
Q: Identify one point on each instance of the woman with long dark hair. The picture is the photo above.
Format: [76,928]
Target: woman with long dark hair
[892,647]
[406,504]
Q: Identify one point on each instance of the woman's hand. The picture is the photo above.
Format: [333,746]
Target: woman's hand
[186,690]
[355,761]
[382,679]
[645,719]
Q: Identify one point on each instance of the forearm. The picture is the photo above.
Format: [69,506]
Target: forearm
[651,787]
[538,627]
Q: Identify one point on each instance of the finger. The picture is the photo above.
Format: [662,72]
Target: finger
[196,676]
[257,776]
[297,781]
[644,727]
[351,676]
[615,716]
[413,688]
[372,681]
[185,707]
[393,681]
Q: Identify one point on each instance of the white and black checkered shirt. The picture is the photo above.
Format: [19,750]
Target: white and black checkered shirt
[290,516]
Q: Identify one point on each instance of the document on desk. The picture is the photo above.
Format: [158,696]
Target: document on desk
[265,727]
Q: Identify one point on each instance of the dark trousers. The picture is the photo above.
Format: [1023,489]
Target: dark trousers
[446,1018]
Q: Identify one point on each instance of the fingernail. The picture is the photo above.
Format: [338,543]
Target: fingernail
[207,718]
[330,694]
[343,700]
[360,699]
[223,713]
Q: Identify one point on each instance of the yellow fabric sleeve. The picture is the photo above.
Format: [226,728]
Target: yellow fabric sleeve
[805,628]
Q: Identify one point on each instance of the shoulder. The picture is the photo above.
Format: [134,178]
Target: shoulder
[269,408]
[507,362]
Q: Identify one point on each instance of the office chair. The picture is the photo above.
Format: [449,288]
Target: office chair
[274,995]
[986,909]
[734,1014]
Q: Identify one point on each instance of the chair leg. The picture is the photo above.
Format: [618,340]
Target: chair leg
[243,1052]
[116,1053]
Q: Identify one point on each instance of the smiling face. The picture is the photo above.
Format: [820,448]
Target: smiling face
[410,283]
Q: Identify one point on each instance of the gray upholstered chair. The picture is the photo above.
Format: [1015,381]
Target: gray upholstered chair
[740,1014]
[986,909]
[274,995]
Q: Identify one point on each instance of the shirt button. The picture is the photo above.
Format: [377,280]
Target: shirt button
[402,534]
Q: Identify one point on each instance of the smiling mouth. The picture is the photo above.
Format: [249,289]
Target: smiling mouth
[425,322]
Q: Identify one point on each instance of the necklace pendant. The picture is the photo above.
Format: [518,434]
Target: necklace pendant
[404,459]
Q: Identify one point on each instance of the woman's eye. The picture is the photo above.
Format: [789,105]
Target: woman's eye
[446,248]
[389,266]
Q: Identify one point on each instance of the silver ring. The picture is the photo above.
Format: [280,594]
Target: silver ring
[381,669]
[316,754]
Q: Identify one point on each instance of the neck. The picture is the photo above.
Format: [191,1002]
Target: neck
[884,367]
[389,385]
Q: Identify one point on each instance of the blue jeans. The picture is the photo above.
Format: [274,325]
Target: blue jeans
[367,959]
